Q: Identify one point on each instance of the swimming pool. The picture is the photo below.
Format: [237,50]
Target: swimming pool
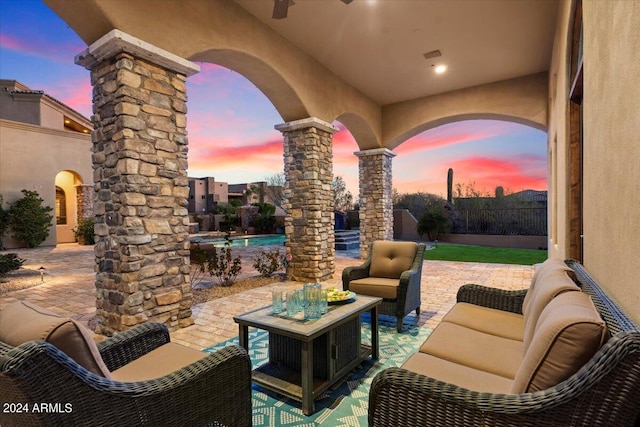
[237,242]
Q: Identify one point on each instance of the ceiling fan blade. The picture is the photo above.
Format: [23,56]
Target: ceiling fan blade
[346,1]
[280,9]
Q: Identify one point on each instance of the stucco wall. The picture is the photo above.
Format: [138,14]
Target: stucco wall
[611,128]
[522,100]
[51,117]
[32,157]
[612,147]
[298,85]
[558,138]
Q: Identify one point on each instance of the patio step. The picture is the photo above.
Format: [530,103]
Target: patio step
[347,239]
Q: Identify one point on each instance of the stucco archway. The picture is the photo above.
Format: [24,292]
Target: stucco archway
[66,205]
[521,100]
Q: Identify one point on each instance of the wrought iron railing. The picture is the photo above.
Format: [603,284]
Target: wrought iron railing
[511,221]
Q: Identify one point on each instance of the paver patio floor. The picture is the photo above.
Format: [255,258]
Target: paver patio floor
[69,290]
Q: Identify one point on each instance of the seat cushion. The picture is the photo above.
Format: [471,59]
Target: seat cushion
[159,362]
[568,334]
[390,259]
[488,320]
[22,321]
[375,287]
[453,373]
[474,349]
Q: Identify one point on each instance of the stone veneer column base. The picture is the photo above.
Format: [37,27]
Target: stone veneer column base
[376,197]
[141,189]
[308,199]
[84,200]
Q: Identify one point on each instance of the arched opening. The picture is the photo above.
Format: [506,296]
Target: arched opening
[61,206]
[494,164]
[66,205]
[490,152]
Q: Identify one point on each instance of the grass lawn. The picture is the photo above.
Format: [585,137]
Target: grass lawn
[447,252]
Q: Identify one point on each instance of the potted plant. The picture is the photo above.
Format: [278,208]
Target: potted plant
[84,231]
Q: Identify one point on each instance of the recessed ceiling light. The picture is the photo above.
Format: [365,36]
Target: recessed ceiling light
[440,69]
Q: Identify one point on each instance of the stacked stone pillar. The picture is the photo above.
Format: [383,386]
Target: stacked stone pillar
[141,188]
[308,199]
[84,201]
[376,197]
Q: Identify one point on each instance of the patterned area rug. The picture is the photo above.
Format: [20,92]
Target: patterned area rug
[344,405]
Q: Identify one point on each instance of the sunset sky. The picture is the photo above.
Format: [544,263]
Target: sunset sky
[230,122]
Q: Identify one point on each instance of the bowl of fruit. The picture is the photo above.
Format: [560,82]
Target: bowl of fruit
[335,296]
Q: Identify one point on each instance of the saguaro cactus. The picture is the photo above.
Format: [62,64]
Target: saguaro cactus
[450,185]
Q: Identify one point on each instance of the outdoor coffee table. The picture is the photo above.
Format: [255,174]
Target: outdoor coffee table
[308,356]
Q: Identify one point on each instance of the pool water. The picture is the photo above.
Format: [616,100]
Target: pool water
[237,242]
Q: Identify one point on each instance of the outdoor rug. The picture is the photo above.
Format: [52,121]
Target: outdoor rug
[344,405]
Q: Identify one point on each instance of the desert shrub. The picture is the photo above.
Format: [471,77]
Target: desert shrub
[217,262]
[29,220]
[268,263]
[434,220]
[9,262]
[84,233]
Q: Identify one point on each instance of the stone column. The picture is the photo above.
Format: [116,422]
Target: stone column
[140,177]
[84,201]
[308,199]
[376,197]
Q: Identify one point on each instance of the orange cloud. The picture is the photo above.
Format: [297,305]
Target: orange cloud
[520,173]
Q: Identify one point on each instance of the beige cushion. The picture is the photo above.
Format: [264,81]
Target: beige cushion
[162,361]
[21,322]
[391,259]
[551,264]
[375,287]
[552,284]
[477,350]
[453,373]
[488,320]
[568,334]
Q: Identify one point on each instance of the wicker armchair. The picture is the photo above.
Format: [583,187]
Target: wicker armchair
[604,392]
[215,390]
[392,271]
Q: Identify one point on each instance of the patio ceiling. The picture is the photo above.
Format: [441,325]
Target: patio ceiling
[378,46]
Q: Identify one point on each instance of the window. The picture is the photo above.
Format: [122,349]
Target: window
[61,206]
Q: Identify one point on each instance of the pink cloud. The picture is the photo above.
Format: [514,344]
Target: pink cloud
[41,47]
[245,156]
[76,94]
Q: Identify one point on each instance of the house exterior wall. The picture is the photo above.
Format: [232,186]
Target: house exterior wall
[22,108]
[558,137]
[51,117]
[31,158]
[612,148]
[611,125]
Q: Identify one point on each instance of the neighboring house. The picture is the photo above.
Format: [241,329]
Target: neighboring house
[45,146]
[204,193]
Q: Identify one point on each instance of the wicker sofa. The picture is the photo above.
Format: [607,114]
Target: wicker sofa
[552,355]
[53,374]
[392,271]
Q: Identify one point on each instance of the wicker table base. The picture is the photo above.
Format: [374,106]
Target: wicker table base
[307,357]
